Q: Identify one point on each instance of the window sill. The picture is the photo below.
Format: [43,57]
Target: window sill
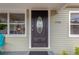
[15,35]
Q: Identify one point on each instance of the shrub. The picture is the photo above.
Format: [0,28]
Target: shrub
[2,26]
[77,50]
[64,52]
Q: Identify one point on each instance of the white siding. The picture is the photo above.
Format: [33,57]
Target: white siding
[16,44]
[60,39]
[20,43]
[59,36]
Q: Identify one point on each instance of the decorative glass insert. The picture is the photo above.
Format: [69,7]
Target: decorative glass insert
[17,17]
[17,29]
[39,24]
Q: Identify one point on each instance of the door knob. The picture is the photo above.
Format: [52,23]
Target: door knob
[32,29]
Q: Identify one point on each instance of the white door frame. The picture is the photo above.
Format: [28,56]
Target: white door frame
[30,30]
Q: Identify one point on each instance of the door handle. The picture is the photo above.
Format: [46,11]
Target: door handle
[32,29]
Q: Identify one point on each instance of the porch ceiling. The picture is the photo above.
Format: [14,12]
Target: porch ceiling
[54,6]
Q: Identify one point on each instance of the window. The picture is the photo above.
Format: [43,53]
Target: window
[13,24]
[74,24]
[3,23]
[17,23]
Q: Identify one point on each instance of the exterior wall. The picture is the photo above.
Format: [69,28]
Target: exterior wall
[59,36]
[16,44]
[60,39]
[20,43]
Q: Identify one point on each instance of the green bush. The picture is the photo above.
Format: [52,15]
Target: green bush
[2,26]
[77,50]
[64,52]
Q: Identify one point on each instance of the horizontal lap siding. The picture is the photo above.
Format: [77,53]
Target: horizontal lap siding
[16,44]
[60,33]
[59,36]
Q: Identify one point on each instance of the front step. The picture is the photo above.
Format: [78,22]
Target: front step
[38,53]
[27,53]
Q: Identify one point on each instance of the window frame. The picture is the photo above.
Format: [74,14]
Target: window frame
[72,35]
[8,22]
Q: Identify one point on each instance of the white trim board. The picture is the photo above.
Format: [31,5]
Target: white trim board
[48,30]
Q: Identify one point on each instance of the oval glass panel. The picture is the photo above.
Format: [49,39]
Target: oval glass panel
[39,24]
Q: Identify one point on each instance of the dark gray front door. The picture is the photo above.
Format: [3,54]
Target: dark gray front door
[39,28]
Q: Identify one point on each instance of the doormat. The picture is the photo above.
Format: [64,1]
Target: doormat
[38,53]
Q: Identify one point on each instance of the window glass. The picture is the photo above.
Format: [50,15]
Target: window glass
[3,23]
[17,29]
[17,23]
[17,18]
[74,23]
[3,17]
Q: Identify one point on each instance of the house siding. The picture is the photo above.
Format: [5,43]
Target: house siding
[60,39]
[21,43]
[59,36]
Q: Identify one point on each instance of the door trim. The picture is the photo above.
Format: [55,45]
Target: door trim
[48,30]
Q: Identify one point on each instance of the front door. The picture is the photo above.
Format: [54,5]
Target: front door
[39,28]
